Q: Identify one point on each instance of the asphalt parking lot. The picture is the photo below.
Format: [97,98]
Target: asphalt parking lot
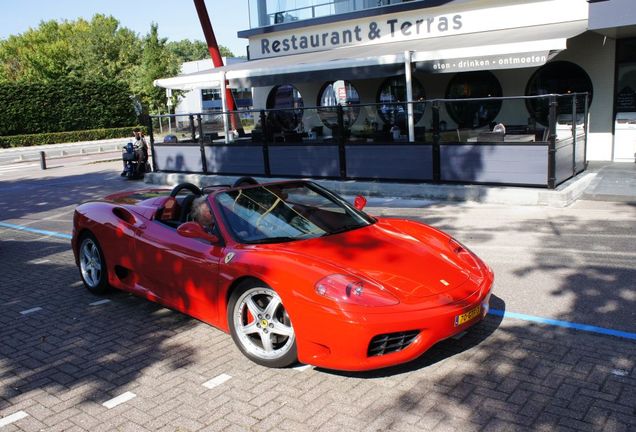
[72,361]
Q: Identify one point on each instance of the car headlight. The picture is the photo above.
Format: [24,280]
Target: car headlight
[354,291]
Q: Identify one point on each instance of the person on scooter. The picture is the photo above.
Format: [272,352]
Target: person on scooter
[141,149]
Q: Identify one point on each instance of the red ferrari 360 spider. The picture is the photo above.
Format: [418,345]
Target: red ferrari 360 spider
[293,271]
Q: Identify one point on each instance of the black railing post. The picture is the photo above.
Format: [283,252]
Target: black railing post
[265,144]
[152,143]
[574,121]
[341,137]
[204,161]
[193,130]
[585,114]
[437,159]
[552,119]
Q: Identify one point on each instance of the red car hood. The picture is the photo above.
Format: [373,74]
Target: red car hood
[406,265]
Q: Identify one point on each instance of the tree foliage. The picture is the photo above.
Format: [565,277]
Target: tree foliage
[187,50]
[97,50]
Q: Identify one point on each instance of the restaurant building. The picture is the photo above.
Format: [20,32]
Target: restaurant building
[381,61]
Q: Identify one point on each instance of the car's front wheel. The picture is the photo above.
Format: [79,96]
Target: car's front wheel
[92,265]
[260,325]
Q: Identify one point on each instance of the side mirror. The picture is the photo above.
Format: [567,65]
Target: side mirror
[360,202]
[194,230]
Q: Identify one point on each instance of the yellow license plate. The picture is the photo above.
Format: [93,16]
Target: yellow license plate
[465,317]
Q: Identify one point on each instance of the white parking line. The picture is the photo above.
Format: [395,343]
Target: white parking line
[216,381]
[12,418]
[99,302]
[125,397]
[40,261]
[16,167]
[28,311]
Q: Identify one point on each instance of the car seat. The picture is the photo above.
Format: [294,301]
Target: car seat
[186,208]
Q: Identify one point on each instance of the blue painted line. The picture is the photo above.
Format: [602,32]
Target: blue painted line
[564,324]
[35,230]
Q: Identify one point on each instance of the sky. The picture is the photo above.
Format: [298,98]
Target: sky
[177,19]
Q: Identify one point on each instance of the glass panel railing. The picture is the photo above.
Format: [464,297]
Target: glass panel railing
[486,120]
[173,128]
[269,12]
[489,120]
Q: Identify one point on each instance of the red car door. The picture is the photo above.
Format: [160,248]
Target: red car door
[183,272]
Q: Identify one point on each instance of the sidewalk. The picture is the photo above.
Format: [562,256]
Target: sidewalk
[602,181]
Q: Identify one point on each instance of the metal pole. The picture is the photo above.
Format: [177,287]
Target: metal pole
[152,145]
[552,119]
[42,160]
[585,129]
[215,53]
[226,127]
[409,95]
[574,121]
[265,144]
[341,142]
[437,160]
[204,161]
[193,131]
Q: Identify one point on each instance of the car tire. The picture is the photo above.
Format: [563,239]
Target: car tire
[92,265]
[260,325]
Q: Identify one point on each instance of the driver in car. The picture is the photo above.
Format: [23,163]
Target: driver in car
[202,214]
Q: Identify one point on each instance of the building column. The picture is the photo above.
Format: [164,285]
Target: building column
[226,128]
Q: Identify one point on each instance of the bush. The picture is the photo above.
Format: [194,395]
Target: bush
[63,137]
[64,105]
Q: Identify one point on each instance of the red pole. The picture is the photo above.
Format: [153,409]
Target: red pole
[215,53]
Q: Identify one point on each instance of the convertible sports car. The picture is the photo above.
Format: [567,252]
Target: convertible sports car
[293,271]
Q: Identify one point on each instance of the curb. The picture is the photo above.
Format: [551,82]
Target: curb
[563,196]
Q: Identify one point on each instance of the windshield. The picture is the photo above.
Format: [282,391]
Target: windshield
[287,212]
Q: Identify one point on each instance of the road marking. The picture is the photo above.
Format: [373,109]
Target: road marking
[302,368]
[40,261]
[12,418]
[564,324]
[35,230]
[28,311]
[99,302]
[16,167]
[216,381]
[125,397]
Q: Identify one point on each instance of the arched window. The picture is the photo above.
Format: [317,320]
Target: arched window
[288,102]
[478,84]
[336,93]
[392,91]
[559,77]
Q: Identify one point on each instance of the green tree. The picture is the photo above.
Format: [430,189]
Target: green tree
[188,50]
[156,62]
[99,48]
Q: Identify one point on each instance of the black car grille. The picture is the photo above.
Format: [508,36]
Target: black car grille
[391,342]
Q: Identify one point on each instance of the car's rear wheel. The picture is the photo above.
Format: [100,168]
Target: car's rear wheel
[92,265]
[260,325]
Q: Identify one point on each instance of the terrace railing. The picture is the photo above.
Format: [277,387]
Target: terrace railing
[453,141]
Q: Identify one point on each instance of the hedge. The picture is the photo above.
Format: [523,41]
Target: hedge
[64,105]
[64,137]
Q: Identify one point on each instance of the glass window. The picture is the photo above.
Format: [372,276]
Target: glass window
[560,77]
[286,212]
[341,93]
[625,97]
[392,91]
[287,99]
[478,84]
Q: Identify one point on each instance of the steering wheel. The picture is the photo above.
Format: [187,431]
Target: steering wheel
[189,186]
